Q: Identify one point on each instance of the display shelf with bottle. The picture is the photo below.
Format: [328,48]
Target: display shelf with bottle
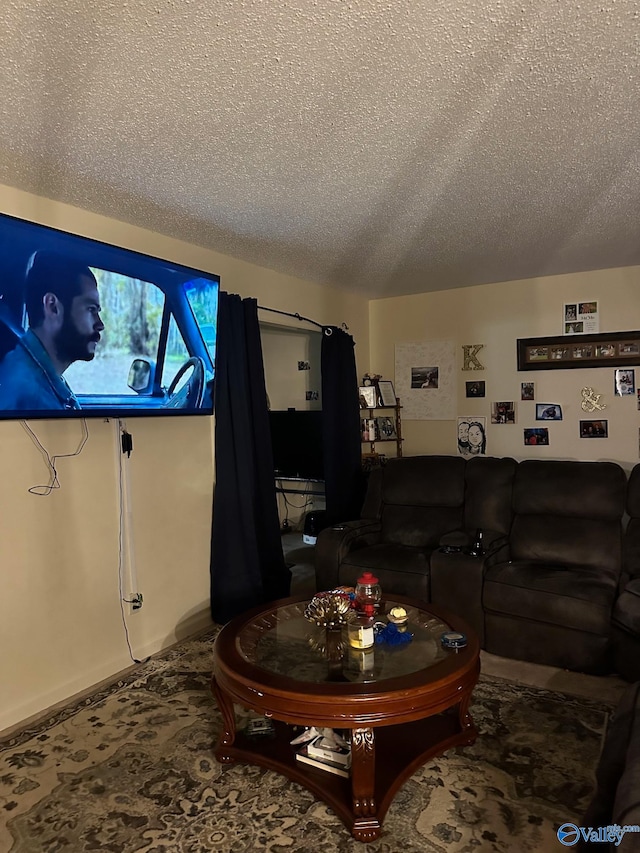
[381,425]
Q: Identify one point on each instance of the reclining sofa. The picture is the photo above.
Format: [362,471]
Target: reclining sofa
[625,623]
[551,572]
[616,798]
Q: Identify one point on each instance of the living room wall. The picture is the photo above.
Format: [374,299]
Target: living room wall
[60,618]
[496,315]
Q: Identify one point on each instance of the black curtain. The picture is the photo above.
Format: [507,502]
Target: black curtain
[342,450]
[247,563]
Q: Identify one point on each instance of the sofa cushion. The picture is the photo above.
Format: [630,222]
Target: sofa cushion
[424,481]
[401,570]
[578,489]
[422,499]
[555,539]
[488,493]
[572,597]
[419,527]
[393,558]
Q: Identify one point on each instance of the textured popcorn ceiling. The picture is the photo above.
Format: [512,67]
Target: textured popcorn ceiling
[387,146]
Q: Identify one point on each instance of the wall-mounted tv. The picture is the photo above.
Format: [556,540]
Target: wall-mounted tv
[88,329]
[296,438]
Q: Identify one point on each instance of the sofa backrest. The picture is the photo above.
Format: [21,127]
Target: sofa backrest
[422,499]
[488,493]
[631,552]
[569,513]
[372,504]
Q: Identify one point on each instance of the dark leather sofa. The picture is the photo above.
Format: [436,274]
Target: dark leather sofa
[626,614]
[616,799]
[546,586]
[412,507]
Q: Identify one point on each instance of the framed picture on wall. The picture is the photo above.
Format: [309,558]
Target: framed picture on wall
[612,349]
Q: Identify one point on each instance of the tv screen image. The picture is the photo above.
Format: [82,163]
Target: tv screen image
[91,329]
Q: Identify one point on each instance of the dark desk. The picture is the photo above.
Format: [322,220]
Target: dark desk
[290,490]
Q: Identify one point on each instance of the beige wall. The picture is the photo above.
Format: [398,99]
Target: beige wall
[60,620]
[497,315]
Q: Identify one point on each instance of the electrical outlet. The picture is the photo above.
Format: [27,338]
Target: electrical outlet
[136,600]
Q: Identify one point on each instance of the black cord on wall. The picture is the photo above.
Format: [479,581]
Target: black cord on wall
[54,483]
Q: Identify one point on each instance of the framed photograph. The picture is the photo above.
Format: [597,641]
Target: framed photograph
[548,412]
[624,382]
[387,393]
[368,397]
[612,349]
[594,429]
[527,391]
[386,429]
[474,389]
[536,437]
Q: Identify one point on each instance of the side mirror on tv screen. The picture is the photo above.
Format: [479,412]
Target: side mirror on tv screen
[88,329]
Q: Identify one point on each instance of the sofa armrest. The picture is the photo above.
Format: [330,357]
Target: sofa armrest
[334,543]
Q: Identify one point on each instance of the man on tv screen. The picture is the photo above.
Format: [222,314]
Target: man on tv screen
[63,309]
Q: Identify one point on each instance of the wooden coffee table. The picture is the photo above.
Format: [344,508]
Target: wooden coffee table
[410,706]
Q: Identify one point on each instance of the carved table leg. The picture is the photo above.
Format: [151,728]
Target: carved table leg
[228,732]
[466,721]
[366,826]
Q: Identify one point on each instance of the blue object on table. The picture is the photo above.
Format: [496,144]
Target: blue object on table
[390,635]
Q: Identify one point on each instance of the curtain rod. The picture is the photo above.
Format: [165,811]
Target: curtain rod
[302,319]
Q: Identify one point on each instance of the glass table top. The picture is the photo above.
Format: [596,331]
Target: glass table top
[282,641]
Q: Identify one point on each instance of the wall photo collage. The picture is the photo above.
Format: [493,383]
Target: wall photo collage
[580,345]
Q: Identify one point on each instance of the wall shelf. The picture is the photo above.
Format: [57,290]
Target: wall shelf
[379,428]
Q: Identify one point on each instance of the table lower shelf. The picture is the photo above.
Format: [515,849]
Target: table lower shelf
[398,751]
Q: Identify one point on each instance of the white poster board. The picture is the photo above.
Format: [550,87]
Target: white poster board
[425,380]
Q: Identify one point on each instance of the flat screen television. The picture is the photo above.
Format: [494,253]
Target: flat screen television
[91,329]
[296,438]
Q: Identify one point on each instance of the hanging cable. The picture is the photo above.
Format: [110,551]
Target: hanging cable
[54,483]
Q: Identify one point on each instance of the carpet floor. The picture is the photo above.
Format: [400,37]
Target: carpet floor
[130,769]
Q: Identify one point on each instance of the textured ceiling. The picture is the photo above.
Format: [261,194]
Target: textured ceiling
[386,146]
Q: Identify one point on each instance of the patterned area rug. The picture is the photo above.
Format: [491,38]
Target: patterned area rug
[131,769]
